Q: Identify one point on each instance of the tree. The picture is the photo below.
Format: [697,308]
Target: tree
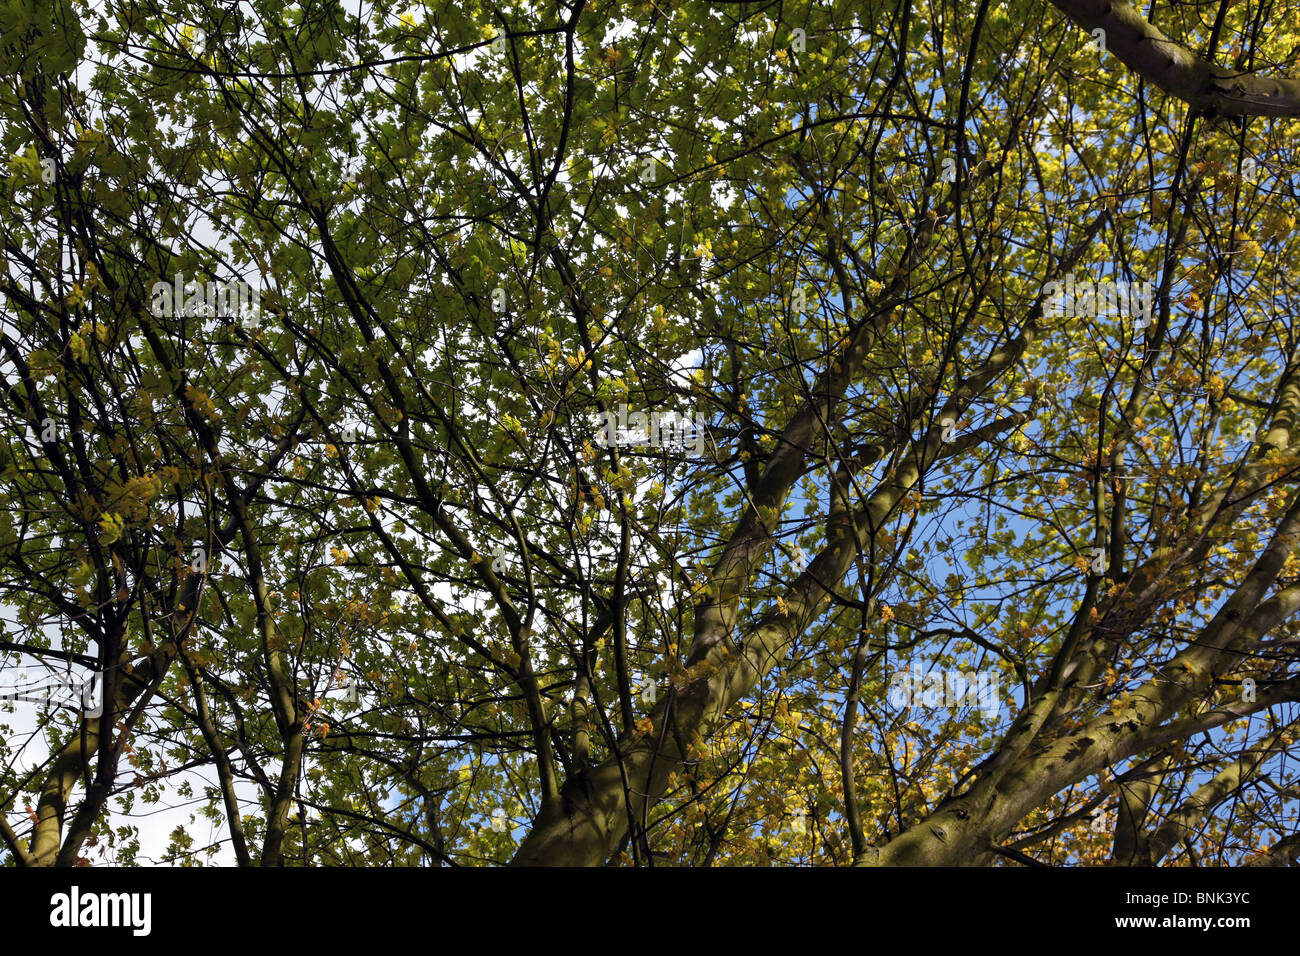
[664,433]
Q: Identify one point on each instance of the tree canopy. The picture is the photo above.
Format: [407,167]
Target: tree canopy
[650,433]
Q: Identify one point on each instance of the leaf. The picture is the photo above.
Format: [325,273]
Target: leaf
[112,527]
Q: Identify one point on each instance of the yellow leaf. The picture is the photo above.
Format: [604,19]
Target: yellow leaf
[113,526]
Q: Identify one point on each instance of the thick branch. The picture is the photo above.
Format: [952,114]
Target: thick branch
[1209,88]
